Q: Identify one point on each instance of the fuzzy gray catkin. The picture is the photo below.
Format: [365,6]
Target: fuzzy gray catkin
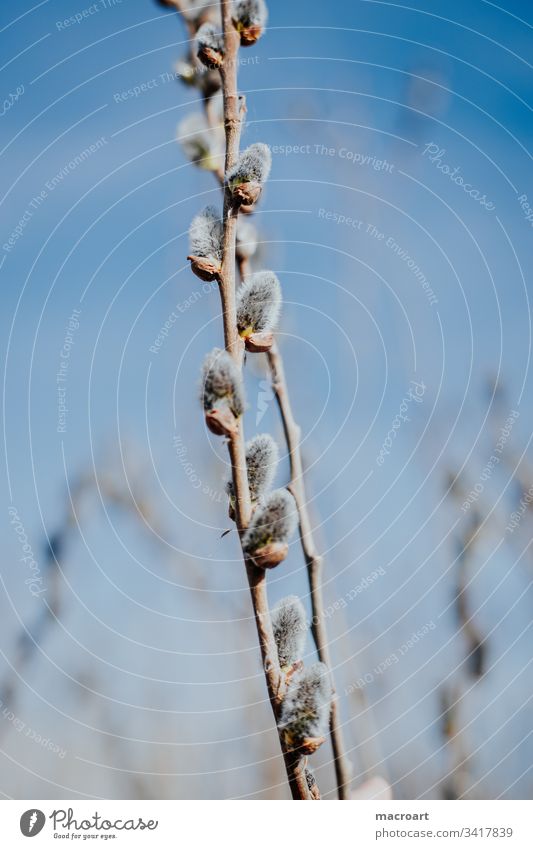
[201,144]
[258,303]
[249,18]
[222,383]
[209,36]
[205,235]
[306,707]
[261,463]
[210,46]
[250,12]
[274,521]
[197,76]
[290,629]
[252,166]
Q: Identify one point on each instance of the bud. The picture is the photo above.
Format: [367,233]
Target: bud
[290,630]
[200,143]
[205,240]
[261,463]
[222,393]
[259,343]
[186,72]
[210,46]
[271,555]
[306,708]
[273,523]
[247,176]
[246,239]
[258,307]
[197,76]
[198,11]
[249,19]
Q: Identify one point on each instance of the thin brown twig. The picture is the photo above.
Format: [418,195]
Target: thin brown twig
[313,560]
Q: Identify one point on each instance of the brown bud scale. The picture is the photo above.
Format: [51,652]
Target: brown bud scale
[246,193]
[271,555]
[221,421]
[204,268]
[310,745]
[249,35]
[210,58]
[258,343]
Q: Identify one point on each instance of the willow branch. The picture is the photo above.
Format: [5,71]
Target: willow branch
[234,345]
[233,110]
[313,560]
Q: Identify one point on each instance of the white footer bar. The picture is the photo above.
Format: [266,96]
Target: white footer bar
[264,825]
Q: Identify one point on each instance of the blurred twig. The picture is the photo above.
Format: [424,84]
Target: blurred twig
[475,661]
[132,500]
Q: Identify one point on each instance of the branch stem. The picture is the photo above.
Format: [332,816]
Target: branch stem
[313,560]
[234,107]
[234,345]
